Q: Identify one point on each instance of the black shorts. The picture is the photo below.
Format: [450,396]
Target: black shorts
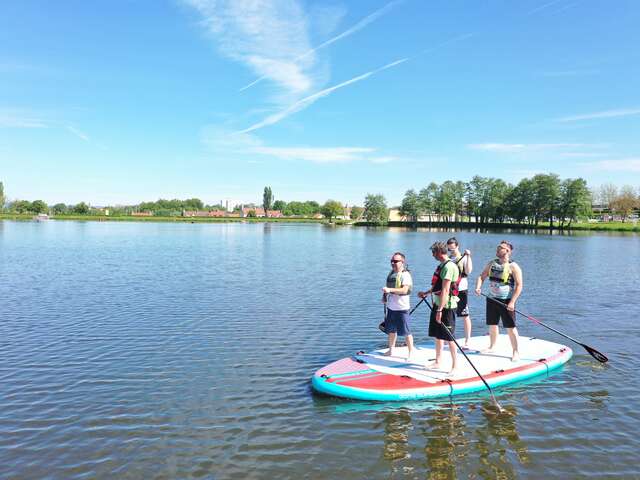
[496,310]
[462,310]
[437,330]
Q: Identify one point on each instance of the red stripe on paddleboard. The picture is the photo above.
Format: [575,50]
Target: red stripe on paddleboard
[384,381]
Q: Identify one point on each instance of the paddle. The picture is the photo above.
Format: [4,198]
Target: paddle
[493,398]
[592,351]
[383,324]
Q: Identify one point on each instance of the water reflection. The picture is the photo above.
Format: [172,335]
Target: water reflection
[453,441]
[497,441]
[396,434]
[447,442]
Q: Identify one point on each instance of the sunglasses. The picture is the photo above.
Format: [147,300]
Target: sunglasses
[396,261]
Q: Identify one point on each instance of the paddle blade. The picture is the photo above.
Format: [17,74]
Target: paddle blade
[601,357]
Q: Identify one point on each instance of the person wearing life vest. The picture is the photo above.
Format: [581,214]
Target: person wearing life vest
[444,290]
[465,265]
[505,286]
[395,294]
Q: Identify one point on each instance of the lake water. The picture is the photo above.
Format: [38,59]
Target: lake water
[157,350]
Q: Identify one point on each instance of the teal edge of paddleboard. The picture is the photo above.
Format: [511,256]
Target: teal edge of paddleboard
[322,386]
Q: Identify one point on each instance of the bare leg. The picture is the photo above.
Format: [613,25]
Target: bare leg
[513,336]
[493,337]
[436,364]
[467,330]
[392,343]
[409,346]
[454,356]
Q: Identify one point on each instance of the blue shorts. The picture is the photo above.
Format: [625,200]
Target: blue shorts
[398,322]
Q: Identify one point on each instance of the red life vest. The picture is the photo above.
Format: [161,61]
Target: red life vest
[436,281]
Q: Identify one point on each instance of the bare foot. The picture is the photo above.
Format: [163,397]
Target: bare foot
[388,353]
[432,365]
[515,357]
[489,350]
[453,372]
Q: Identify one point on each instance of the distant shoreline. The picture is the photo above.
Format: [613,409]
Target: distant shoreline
[542,227]
[129,218]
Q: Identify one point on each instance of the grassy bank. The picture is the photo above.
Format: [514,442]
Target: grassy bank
[128,218]
[584,226]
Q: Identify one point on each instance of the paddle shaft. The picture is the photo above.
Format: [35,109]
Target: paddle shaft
[453,338]
[592,351]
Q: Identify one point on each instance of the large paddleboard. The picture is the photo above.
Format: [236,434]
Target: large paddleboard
[374,376]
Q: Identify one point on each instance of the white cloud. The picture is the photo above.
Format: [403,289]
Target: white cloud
[16,118]
[623,112]
[631,165]
[268,36]
[350,31]
[521,147]
[230,145]
[316,155]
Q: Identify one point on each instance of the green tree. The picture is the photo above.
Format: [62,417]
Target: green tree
[332,208]
[280,205]
[267,199]
[575,201]
[59,209]
[427,199]
[546,196]
[375,209]
[81,208]
[410,205]
[39,206]
[356,213]
[518,202]
[251,213]
[445,200]
[21,206]
[3,199]
[191,204]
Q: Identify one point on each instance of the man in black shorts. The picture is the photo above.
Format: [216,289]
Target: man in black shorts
[505,286]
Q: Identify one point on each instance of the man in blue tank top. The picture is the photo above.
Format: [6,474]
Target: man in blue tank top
[505,286]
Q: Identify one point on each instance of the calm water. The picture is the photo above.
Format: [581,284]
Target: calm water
[132,350]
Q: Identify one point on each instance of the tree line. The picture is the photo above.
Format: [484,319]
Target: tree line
[542,198]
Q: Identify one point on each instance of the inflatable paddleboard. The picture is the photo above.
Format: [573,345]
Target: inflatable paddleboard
[374,376]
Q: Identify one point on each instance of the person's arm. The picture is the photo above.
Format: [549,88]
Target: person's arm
[468,264]
[483,276]
[404,289]
[517,276]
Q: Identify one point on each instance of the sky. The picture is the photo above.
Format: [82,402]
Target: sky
[118,102]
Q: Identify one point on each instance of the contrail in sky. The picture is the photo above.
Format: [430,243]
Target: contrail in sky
[358,26]
[307,101]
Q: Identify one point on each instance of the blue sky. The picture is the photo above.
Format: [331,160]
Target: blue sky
[124,101]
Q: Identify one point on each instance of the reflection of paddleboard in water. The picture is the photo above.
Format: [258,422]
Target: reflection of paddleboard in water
[374,376]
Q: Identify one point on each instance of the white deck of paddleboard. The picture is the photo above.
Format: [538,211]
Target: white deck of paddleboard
[531,350]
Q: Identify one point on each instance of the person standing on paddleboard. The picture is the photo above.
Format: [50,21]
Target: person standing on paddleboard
[444,289]
[396,296]
[465,265]
[505,286]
